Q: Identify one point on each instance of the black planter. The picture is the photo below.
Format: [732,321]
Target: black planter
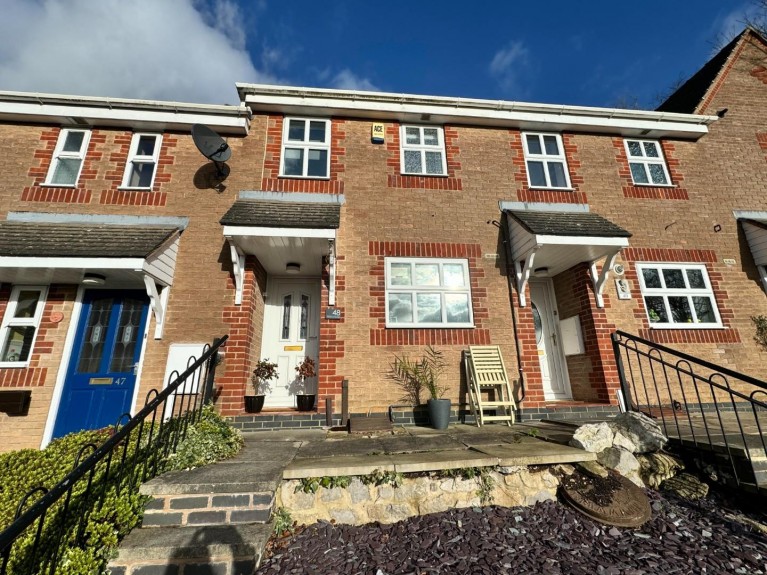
[254,403]
[439,413]
[305,402]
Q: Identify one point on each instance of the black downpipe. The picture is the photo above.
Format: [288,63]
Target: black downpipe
[510,270]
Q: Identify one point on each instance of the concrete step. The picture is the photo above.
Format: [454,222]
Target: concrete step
[208,509]
[211,550]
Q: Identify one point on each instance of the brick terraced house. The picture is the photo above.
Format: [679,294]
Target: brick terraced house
[355,226]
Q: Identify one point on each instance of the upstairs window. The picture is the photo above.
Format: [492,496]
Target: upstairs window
[306,148]
[423,292]
[67,162]
[423,151]
[20,324]
[546,162]
[141,167]
[648,167]
[678,296]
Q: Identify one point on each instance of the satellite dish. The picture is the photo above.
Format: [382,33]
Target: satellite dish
[212,146]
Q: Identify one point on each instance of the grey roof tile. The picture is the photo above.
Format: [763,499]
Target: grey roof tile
[577,224]
[80,240]
[279,214]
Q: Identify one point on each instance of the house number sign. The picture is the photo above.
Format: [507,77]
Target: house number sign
[332,313]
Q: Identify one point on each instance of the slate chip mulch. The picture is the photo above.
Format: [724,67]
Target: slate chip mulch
[682,537]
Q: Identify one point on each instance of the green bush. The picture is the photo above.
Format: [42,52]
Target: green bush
[98,519]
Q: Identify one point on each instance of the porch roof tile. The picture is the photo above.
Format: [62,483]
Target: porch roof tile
[81,240]
[578,224]
[280,214]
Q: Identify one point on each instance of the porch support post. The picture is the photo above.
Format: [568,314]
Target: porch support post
[522,273]
[238,270]
[331,272]
[598,279]
[158,301]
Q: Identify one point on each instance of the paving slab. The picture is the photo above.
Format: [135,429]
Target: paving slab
[265,451]
[488,437]
[287,435]
[437,460]
[413,443]
[204,542]
[336,466]
[531,451]
[341,447]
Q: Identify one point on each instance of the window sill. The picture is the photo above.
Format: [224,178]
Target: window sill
[320,178]
[13,365]
[72,186]
[424,175]
[550,189]
[430,326]
[654,185]
[685,327]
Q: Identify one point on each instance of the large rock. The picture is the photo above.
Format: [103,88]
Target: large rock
[686,486]
[593,437]
[637,429]
[622,462]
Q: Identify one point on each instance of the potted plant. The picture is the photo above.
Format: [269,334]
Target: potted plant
[415,376]
[264,373]
[304,370]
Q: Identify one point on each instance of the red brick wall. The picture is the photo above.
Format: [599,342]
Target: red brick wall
[452,158]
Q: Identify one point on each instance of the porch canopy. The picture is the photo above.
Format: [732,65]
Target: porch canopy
[126,255]
[546,242]
[288,233]
[755,227]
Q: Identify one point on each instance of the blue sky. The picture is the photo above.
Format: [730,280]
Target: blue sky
[590,53]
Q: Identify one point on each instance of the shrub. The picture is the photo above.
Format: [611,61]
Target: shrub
[209,440]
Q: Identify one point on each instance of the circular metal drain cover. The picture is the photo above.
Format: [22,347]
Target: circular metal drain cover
[614,501]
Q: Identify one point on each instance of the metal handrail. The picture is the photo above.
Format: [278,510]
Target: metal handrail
[199,371]
[644,369]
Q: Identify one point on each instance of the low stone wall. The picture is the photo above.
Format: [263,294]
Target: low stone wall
[417,495]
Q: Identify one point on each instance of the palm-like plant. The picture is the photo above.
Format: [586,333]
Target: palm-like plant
[417,375]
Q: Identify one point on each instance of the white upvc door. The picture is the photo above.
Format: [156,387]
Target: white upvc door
[291,332]
[553,367]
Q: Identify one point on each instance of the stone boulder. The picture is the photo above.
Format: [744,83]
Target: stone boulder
[593,437]
[623,462]
[686,486]
[637,430]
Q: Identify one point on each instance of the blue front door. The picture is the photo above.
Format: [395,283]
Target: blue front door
[102,370]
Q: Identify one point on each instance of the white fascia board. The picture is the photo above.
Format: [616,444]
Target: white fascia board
[160,115]
[581,241]
[253,231]
[471,111]
[72,263]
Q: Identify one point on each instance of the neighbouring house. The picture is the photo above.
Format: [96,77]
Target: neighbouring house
[352,226]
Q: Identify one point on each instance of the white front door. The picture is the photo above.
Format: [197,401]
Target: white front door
[553,368]
[291,330]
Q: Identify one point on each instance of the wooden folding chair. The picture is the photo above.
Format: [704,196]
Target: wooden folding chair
[486,374]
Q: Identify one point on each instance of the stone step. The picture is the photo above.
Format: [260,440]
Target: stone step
[208,509]
[210,550]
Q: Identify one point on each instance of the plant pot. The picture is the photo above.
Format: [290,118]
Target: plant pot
[439,413]
[254,403]
[305,402]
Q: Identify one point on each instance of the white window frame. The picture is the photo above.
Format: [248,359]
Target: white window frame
[306,146]
[687,291]
[134,158]
[60,154]
[414,289]
[546,159]
[645,162]
[422,148]
[10,322]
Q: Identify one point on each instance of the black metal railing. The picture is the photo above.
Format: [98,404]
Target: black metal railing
[713,412]
[48,521]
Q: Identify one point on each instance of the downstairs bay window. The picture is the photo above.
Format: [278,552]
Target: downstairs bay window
[678,296]
[423,293]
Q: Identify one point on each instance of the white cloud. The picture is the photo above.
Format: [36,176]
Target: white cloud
[731,24]
[508,64]
[183,50]
[348,80]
